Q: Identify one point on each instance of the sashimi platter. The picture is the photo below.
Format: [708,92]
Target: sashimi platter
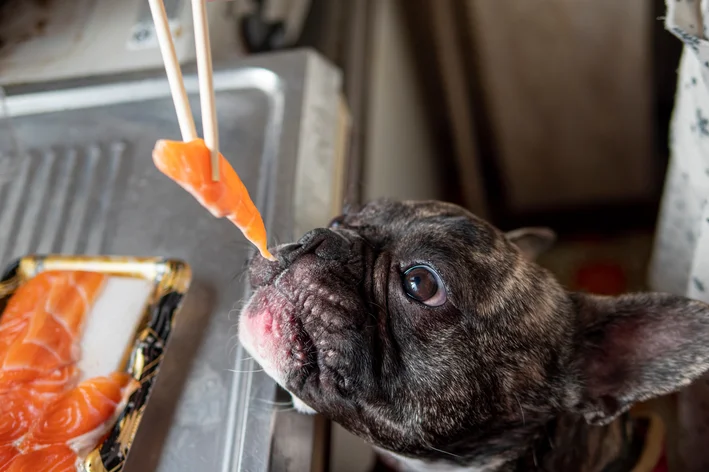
[70,396]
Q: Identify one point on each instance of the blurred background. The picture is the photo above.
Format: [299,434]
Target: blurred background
[549,112]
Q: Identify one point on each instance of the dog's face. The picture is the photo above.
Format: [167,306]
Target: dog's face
[432,334]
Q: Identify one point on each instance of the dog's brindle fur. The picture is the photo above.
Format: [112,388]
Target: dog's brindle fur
[511,373]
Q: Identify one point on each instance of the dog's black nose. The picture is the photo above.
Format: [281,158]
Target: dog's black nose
[289,252]
[324,243]
[312,239]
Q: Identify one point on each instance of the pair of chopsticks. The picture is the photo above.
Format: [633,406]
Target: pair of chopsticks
[204,73]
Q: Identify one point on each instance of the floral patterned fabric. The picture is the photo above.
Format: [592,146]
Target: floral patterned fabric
[680,262]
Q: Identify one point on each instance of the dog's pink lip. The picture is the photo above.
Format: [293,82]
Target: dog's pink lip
[275,331]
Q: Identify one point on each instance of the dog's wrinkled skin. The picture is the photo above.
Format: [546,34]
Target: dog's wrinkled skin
[502,376]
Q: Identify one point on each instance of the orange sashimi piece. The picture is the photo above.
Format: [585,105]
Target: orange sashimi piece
[9,333]
[59,458]
[49,385]
[68,294]
[44,346]
[28,297]
[55,382]
[81,415]
[7,454]
[48,339]
[188,164]
[70,299]
[19,409]
[20,307]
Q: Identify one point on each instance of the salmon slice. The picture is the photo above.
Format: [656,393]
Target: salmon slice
[70,299]
[44,346]
[47,338]
[7,454]
[20,307]
[29,296]
[22,405]
[56,382]
[82,415]
[188,164]
[19,410]
[9,333]
[49,386]
[59,458]
[64,294]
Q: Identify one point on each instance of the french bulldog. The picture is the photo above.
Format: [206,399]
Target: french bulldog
[435,337]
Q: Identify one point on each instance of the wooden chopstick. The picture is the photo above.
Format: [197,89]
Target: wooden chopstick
[174,73]
[206,83]
[176,81]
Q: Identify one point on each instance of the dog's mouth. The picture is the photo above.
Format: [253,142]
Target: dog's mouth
[272,331]
[306,319]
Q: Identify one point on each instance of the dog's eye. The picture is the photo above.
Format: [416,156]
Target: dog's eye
[423,285]
[336,222]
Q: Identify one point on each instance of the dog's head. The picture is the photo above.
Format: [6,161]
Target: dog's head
[432,334]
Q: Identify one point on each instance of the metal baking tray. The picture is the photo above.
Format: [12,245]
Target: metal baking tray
[140,301]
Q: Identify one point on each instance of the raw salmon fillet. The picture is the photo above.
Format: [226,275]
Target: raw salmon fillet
[19,410]
[80,416]
[7,454]
[23,405]
[23,303]
[30,295]
[55,383]
[58,458]
[188,164]
[42,324]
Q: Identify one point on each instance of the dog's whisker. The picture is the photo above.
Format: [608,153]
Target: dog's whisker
[230,314]
[232,350]
[269,408]
[233,334]
[241,272]
[233,341]
[272,403]
[444,452]
[246,359]
[277,239]
[245,371]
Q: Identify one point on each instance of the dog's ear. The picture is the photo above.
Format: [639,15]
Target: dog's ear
[635,347]
[532,242]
